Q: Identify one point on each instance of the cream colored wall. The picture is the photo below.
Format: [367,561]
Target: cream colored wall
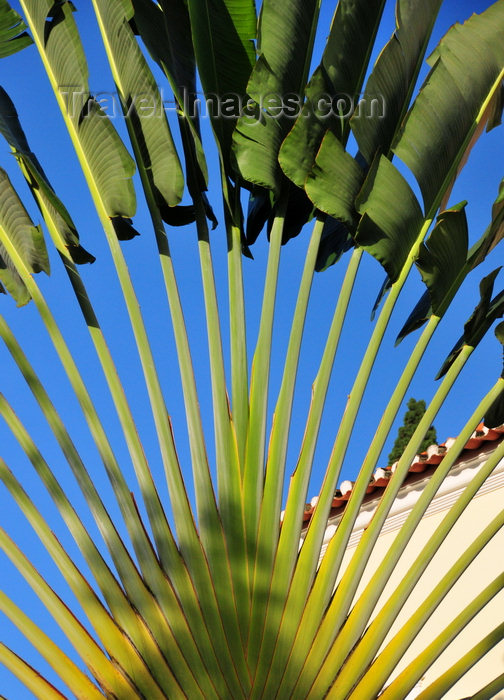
[487,566]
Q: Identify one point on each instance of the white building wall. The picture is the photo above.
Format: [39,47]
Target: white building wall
[489,564]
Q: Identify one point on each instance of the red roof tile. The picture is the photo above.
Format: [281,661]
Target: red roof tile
[427,460]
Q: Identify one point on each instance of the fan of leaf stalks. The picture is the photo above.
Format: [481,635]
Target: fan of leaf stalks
[215,598]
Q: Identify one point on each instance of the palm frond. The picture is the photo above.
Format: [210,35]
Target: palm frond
[221,594]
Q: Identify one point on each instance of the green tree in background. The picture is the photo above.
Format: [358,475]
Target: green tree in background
[412,417]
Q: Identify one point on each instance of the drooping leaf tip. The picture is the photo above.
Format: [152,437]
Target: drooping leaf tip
[123,227]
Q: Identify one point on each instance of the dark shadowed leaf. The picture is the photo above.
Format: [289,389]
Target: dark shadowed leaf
[261,210]
[181,215]
[478,252]
[258,212]
[494,233]
[166,32]
[383,290]
[124,228]
[299,211]
[420,315]
[442,258]
[334,241]
[481,319]
[486,312]
[495,415]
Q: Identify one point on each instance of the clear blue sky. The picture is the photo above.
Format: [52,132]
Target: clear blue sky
[23,78]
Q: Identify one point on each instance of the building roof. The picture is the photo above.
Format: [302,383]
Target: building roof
[425,461]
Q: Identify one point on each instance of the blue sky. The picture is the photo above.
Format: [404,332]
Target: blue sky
[23,78]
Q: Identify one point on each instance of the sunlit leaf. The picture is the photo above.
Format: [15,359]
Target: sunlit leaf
[285,41]
[27,238]
[141,102]
[13,38]
[105,156]
[41,189]
[335,180]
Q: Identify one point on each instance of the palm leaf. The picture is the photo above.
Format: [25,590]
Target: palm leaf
[410,676]
[362,610]
[280,70]
[394,76]
[30,677]
[223,33]
[485,313]
[436,130]
[338,77]
[74,678]
[432,110]
[142,623]
[438,263]
[134,586]
[392,82]
[107,675]
[335,241]
[13,38]
[28,239]
[442,256]
[331,160]
[41,189]
[442,684]
[173,50]
[391,214]
[141,102]
[98,144]
[230,604]
[388,230]
[422,613]
[494,233]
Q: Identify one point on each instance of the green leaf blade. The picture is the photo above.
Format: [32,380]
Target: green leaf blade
[389,226]
[27,239]
[285,40]
[142,104]
[98,144]
[13,38]
[453,101]
[339,75]
[223,32]
[335,181]
[394,76]
[442,259]
[41,189]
